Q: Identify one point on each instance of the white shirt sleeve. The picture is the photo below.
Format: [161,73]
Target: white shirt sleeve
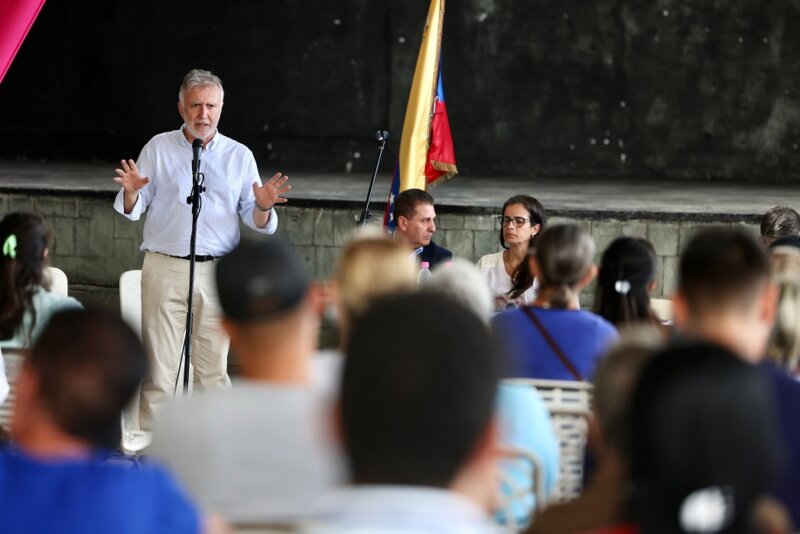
[247,200]
[145,166]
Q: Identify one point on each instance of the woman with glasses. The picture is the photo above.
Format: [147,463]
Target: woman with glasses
[507,271]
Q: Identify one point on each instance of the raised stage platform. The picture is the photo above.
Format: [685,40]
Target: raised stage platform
[94,245]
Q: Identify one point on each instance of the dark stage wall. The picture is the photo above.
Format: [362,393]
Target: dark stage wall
[689,89]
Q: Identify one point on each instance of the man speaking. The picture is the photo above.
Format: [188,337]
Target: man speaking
[161,180]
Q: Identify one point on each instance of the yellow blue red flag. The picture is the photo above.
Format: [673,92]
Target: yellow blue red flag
[427,155]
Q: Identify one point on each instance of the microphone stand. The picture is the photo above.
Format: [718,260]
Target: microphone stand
[380,136]
[194,199]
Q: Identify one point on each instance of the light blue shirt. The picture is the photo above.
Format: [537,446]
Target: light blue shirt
[230,171]
[46,305]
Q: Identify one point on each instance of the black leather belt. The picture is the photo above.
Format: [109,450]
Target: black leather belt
[197,258]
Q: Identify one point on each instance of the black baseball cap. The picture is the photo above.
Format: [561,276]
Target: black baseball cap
[262,278]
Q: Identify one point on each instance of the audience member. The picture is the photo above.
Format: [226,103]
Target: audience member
[82,370]
[724,294]
[508,272]
[464,283]
[414,226]
[703,448]
[780,221]
[416,409]
[781,369]
[784,342]
[605,502]
[625,280]
[369,267]
[258,452]
[523,419]
[25,302]
[725,297]
[554,339]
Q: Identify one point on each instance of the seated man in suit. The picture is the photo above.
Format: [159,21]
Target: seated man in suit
[414,219]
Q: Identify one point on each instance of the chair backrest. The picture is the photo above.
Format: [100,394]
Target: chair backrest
[662,308]
[130,299]
[13,362]
[569,403]
[59,284]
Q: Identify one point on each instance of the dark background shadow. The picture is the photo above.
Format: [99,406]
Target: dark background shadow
[582,88]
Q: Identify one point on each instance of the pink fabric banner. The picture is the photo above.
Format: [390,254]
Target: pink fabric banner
[16,19]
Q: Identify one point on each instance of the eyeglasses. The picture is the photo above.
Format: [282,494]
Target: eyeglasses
[506,221]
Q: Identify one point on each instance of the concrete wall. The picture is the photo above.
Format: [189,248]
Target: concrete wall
[580,88]
[94,245]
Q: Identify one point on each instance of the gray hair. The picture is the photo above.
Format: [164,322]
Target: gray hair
[463,282]
[200,78]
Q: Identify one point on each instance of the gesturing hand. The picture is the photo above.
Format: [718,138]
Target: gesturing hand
[269,194]
[129,178]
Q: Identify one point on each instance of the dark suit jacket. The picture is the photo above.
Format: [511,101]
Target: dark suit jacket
[434,254]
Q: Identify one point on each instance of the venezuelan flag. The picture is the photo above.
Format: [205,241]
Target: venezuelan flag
[427,155]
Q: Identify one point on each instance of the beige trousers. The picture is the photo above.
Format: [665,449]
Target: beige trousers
[165,287]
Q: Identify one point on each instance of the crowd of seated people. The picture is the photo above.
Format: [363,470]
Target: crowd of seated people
[408,424]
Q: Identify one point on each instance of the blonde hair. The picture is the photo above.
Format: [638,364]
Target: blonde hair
[371,267]
[784,342]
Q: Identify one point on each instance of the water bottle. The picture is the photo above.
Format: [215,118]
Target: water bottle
[424,273]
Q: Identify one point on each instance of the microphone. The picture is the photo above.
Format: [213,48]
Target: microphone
[197,147]
[381,135]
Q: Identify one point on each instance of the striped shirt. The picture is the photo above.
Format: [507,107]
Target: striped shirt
[230,170]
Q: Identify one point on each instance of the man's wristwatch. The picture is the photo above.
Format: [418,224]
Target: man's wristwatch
[259,208]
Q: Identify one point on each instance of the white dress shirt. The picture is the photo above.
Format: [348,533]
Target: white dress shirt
[493,268]
[230,170]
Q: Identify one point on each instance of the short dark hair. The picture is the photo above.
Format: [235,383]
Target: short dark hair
[701,419]
[89,364]
[780,221]
[722,267]
[418,390]
[405,204]
[626,270]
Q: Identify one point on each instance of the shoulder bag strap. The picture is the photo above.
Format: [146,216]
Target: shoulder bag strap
[553,345]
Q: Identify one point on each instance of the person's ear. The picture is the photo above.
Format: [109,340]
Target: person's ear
[680,310]
[651,286]
[230,329]
[402,223]
[768,303]
[181,110]
[587,278]
[535,229]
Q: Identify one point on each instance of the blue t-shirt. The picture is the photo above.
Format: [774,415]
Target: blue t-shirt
[89,495]
[582,336]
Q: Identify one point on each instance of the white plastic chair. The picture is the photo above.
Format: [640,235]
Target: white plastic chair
[130,299]
[662,308]
[130,305]
[13,362]
[569,404]
[59,284]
